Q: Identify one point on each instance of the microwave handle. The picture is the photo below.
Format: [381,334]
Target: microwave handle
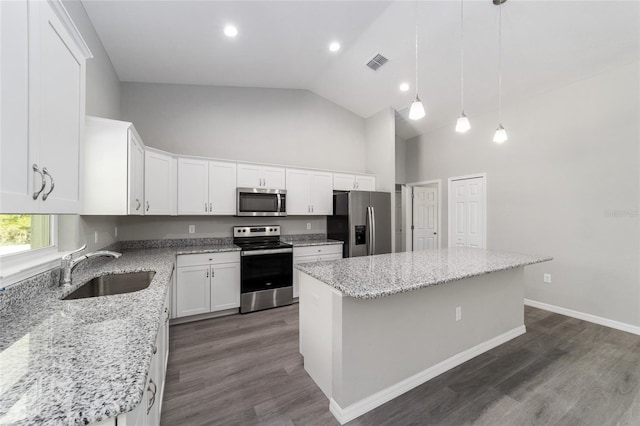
[279,203]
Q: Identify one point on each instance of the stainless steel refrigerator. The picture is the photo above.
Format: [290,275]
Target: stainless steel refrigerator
[362,220]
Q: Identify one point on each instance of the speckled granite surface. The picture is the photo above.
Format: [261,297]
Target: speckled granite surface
[80,361]
[370,277]
[175,242]
[306,240]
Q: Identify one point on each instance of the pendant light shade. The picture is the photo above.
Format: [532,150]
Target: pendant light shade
[462,125]
[416,112]
[417,109]
[501,135]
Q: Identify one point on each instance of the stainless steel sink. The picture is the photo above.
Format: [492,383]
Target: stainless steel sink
[113,284]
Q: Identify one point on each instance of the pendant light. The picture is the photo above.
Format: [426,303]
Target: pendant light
[501,134]
[462,125]
[416,112]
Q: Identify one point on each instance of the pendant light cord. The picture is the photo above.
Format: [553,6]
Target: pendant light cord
[500,64]
[462,55]
[416,47]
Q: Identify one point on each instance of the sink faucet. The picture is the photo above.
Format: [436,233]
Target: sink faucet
[68,264]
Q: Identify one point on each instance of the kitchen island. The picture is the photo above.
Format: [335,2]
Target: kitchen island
[372,328]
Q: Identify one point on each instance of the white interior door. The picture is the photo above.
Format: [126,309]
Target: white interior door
[467,213]
[425,218]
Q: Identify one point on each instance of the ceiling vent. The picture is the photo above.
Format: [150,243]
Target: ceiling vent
[377,62]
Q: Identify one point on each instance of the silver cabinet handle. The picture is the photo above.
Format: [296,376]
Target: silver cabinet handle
[155,349]
[168,312]
[205,207]
[138,206]
[147,206]
[207,274]
[44,182]
[312,208]
[153,395]
[210,207]
[53,184]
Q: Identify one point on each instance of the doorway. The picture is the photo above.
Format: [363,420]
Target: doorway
[467,215]
[423,206]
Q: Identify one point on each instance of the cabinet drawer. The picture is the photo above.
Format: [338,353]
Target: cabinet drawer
[318,250]
[208,258]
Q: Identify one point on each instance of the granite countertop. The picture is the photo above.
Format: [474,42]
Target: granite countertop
[214,248]
[371,277]
[308,240]
[81,361]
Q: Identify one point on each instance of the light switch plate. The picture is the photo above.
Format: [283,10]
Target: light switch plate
[95,237]
[308,225]
[547,278]
[192,229]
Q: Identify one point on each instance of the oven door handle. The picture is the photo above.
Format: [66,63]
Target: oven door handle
[267,251]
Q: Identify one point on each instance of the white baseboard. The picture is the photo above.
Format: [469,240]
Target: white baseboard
[344,415]
[583,316]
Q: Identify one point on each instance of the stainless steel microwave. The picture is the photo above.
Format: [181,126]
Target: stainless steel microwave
[261,202]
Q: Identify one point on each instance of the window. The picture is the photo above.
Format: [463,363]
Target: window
[28,246]
[21,233]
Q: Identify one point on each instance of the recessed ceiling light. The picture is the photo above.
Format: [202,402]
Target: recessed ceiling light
[230,31]
[334,47]
[404,87]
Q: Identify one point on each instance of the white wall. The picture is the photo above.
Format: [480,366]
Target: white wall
[565,184]
[278,126]
[163,227]
[401,160]
[103,100]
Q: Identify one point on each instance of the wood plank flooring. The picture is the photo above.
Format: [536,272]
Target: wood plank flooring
[246,370]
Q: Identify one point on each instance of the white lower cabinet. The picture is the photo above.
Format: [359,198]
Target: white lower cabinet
[207,283]
[150,408]
[313,254]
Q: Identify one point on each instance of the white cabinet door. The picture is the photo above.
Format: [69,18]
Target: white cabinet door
[365,183]
[56,103]
[296,273]
[136,175]
[249,176]
[17,180]
[273,177]
[225,286]
[298,197]
[159,198]
[193,186]
[222,187]
[194,290]
[343,182]
[320,193]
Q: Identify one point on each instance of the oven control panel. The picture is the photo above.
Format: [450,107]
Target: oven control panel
[256,231]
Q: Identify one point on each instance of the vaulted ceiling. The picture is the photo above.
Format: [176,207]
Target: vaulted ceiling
[284,44]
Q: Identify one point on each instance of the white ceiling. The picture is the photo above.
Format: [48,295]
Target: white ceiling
[283,44]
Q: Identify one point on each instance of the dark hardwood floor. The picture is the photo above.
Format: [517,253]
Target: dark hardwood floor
[246,369]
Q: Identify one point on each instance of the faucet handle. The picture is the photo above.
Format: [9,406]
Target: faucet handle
[70,255]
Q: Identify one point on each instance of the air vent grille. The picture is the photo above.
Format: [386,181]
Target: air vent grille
[377,62]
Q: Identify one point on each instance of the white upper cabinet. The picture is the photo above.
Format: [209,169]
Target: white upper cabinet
[160,180]
[114,168]
[222,188]
[206,187]
[309,192]
[42,113]
[352,182]
[259,176]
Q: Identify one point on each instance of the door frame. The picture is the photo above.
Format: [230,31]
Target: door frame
[409,209]
[484,202]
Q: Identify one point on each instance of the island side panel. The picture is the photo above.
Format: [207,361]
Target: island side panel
[390,339]
[320,308]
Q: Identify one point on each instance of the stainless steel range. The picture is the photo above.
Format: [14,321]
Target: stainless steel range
[266,268]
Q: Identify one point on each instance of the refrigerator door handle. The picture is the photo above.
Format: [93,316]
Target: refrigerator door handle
[373,230]
[368,224]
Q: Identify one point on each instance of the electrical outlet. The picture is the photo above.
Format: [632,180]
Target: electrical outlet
[115,231]
[308,225]
[95,236]
[458,313]
[547,278]
[192,229]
